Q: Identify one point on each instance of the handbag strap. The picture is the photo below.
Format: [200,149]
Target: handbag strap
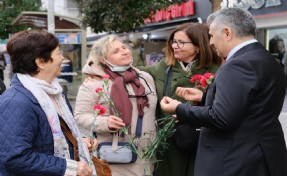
[139,126]
[167,81]
[70,137]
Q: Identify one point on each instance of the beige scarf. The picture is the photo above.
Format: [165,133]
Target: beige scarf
[41,90]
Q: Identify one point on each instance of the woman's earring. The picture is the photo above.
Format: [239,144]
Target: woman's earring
[197,51]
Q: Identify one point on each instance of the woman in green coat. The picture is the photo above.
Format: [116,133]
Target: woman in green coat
[188,53]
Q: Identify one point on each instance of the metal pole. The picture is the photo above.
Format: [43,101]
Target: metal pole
[51,17]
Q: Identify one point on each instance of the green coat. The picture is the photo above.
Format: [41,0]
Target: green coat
[174,162]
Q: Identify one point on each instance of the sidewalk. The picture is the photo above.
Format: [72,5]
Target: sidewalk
[283,118]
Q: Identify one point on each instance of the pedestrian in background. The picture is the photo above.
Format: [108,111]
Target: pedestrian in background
[188,53]
[2,65]
[2,87]
[66,70]
[277,49]
[66,76]
[33,111]
[137,53]
[2,68]
[241,134]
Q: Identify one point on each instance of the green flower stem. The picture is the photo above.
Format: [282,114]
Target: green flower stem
[161,137]
[135,150]
[130,141]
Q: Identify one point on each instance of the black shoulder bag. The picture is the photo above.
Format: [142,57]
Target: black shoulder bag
[186,135]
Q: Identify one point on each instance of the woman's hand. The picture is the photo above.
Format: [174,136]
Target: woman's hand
[189,94]
[115,123]
[83,169]
[90,144]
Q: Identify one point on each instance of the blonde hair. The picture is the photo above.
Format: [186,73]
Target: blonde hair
[101,47]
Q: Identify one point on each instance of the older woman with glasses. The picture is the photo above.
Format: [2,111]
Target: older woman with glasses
[133,93]
[188,53]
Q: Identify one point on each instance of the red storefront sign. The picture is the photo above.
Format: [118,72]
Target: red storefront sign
[173,11]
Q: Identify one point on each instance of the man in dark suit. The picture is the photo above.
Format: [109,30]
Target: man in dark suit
[241,134]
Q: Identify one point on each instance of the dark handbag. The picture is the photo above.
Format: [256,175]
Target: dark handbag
[102,168]
[186,135]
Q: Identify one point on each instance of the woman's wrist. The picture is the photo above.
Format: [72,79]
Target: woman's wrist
[71,168]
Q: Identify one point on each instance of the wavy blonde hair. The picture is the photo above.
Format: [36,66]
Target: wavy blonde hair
[101,47]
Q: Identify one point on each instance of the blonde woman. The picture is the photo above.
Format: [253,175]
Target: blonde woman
[133,93]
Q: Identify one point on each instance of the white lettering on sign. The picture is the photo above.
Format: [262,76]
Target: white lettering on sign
[254,4]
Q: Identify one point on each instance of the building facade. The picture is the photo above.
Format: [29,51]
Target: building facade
[271,21]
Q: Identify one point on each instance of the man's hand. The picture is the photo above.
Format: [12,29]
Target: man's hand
[169,105]
[189,94]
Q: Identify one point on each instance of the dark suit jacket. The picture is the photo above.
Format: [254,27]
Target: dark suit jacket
[241,134]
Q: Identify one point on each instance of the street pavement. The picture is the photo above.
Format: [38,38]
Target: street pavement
[283,118]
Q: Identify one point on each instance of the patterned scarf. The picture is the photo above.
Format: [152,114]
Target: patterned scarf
[121,97]
[42,90]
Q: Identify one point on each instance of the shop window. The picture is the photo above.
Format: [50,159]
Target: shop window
[277,45]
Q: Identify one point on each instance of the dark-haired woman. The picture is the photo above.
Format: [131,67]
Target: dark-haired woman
[188,53]
[32,112]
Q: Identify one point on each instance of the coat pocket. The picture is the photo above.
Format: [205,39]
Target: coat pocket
[218,142]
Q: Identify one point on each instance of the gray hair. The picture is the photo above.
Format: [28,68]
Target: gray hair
[101,47]
[239,20]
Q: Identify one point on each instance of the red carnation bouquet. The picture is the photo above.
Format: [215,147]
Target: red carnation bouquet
[201,82]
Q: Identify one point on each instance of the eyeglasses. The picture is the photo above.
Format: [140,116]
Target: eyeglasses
[145,94]
[180,44]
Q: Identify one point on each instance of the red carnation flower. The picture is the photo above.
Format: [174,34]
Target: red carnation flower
[195,78]
[202,81]
[207,75]
[106,76]
[99,90]
[101,110]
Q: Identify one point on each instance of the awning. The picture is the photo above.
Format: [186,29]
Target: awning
[272,20]
[39,19]
[161,30]
[168,24]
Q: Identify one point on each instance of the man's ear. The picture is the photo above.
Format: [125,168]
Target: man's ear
[227,33]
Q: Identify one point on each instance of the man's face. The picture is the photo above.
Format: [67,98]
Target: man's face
[217,40]
[281,47]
